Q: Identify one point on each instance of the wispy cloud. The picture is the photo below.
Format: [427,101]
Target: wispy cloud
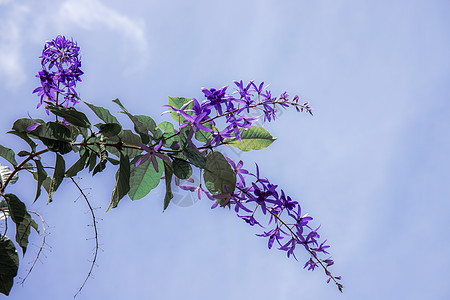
[89,14]
[19,27]
[11,29]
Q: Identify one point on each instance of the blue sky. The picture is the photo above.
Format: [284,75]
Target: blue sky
[371,166]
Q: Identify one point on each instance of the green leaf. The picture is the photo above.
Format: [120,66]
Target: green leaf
[178,102]
[196,157]
[55,136]
[23,153]
[168,173]
[58,176]
[102,113]
[22,124]
[8,154]
[204,136]
[122,185]
[109,129]
[169,131]
[78,165]
[144,178]
[21,217]
[129,138]
[40,175]
[148,124]
[218,174]
[255,138]
[9,264]
[70,114]
[92,161]
[181,168]
[103,160]
[25,137]
[140,127]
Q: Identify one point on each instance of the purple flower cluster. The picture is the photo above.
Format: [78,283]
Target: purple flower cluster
[60,72]
[286,225]
[240,112]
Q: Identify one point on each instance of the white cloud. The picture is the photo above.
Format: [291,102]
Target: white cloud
[18,27]
[11,31]
[90,13]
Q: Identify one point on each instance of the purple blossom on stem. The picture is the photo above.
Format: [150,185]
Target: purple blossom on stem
[60,72]
[152,154]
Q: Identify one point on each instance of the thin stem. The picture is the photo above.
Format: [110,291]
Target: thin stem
[94,222]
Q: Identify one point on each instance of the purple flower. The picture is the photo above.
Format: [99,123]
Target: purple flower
[311,264]
[60,72]
[216,98]
[152,154]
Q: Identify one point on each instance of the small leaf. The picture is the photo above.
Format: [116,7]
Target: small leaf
[22,124]
[9,264]
[178,102]
[78,165]
[102,113]
[168,173]
[144,178]
[70,114]
[8,154]
[139,126]
[21,217]
[23,153]
[219,174]
[181,168]
[40,175]
[195,157]
[58,176]
[110,129]
[148,124]
[122,185]
[103,160]
[255,138]
[92,161]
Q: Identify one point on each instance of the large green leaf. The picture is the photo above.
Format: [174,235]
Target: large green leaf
[70,114]
[21,217]
[102,113]
[122,185]
[58,176]
[144,178]
[9,264]
[168,173]
[178,102]
[8,154]
[219,174]
[255,138]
